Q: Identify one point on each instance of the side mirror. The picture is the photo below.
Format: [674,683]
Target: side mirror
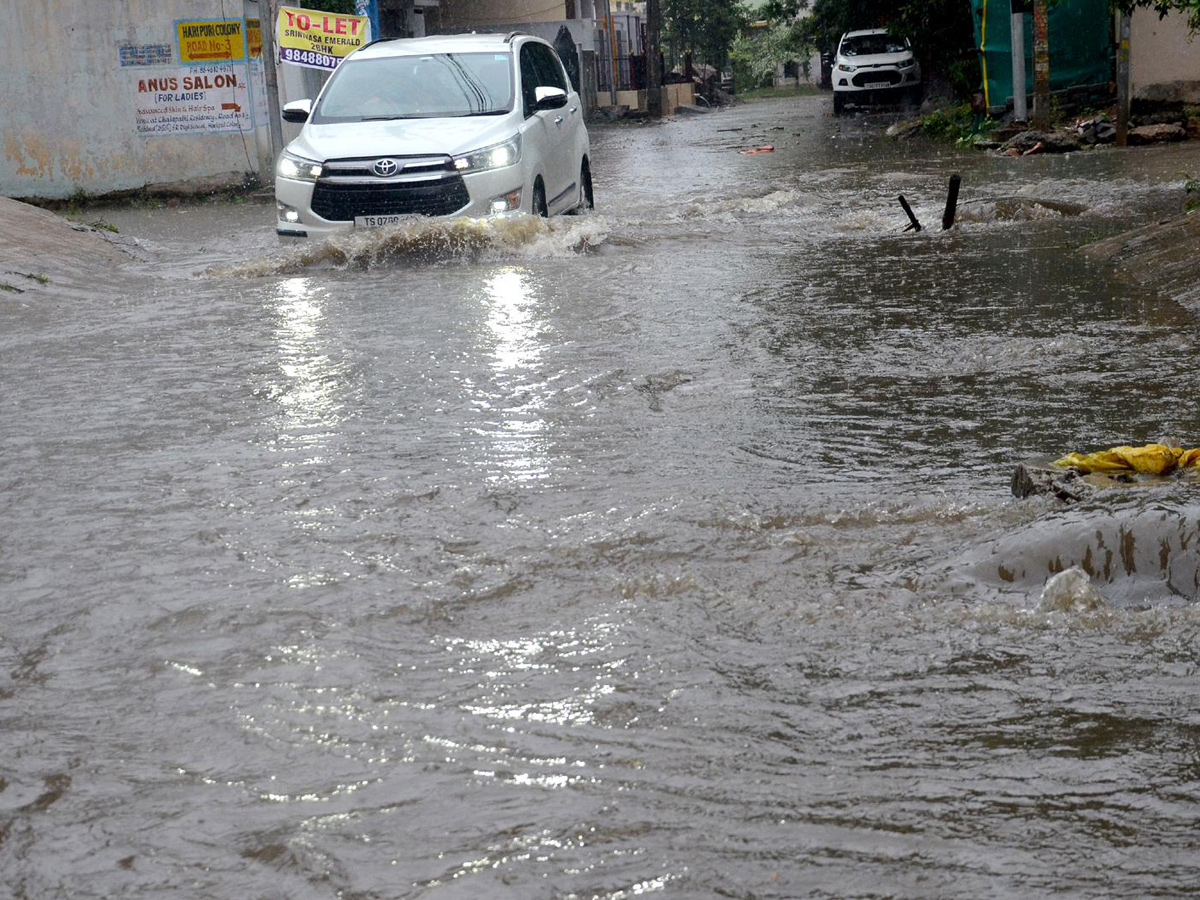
[297,111]
[549,98]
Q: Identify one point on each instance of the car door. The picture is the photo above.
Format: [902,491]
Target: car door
[548,128]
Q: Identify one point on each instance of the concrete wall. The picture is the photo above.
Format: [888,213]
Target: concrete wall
[1164,59]
[69,100]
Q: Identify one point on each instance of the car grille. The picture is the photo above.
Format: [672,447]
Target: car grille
[425,186]
[889,76]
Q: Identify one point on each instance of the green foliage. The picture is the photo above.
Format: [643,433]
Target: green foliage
[1191,8]
[956,125]
[704,28]
[755,55]
[11,288]
[1191,193]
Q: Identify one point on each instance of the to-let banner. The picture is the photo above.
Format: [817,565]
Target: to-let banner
[317,39]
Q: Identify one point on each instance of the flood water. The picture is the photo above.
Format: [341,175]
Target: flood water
[665,550]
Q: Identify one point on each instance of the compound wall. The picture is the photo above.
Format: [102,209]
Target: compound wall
[1164,58]
[99,97]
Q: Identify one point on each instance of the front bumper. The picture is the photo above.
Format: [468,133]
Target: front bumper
[467,195]
[865,81]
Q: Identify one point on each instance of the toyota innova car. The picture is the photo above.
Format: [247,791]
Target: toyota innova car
[874,66]
[458,125]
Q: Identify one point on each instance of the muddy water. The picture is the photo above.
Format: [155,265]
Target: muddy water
[667,549]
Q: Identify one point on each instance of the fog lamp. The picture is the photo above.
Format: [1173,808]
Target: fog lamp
[507,203]
[287,213]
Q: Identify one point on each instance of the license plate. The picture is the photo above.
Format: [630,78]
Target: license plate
[877,84]
[376,221]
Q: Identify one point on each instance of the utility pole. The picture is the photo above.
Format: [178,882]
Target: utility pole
[271,75]
[370,9]
[610,38]
[1020,104]
[1123,82]
[1041,65]
[653,72]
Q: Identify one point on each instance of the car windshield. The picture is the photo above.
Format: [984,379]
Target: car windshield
[418,87]
[872,44]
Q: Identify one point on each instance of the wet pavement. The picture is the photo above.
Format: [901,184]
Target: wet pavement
[667,549]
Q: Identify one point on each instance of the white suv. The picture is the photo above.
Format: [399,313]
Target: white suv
[873,65]
[458,125]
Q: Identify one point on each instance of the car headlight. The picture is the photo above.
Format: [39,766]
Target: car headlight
[496,156]
[297,168]
[847,68]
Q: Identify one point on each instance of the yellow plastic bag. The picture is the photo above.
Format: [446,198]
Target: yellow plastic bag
[1152,459]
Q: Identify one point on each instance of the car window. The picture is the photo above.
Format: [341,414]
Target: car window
[431,86]
[550,71]
[871,44]
[529,78]
[539,68]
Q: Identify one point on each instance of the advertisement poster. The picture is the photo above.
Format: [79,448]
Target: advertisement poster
[319,40]
[211,41]
[194,100]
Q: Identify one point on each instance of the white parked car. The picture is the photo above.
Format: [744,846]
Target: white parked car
[874,66]
[456,125]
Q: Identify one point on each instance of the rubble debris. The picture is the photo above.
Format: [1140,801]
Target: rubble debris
[1043,141]
[1156,134]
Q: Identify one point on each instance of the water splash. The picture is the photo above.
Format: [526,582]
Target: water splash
[430,242]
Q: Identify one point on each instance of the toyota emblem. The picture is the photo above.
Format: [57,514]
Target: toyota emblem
[386,168]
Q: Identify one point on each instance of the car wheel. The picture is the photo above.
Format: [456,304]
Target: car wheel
[839,103]
[914,96]
[585,180]
[539,199]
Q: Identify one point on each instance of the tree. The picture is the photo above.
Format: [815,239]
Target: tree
[704,28]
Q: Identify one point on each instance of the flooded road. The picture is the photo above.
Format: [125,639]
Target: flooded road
[663,550]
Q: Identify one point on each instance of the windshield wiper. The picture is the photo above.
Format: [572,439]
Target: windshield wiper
[388,118]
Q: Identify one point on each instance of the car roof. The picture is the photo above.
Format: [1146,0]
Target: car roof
[864,32]
[440,43]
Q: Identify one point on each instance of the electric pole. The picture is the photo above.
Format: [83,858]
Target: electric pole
[653,72]
[271,76]
[1041,65]
[1123,82]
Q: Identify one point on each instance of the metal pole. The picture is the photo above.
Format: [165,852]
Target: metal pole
[1020,102]
[270,62]
[1041,65]
[653,73]
[610,38]
[1123,82]
[370,9]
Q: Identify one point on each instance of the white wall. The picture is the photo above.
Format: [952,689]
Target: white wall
[1164,60]
[68,107]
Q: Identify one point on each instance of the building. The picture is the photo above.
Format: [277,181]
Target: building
[601,42]
[98,98]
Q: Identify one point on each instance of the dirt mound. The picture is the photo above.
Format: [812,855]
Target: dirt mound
[36,245]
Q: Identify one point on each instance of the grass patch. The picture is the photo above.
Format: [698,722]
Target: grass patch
[956,125]
[101,225]
[11,288]
[772,93]
[1191,193]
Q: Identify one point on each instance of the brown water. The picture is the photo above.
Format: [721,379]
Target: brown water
[667,549]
